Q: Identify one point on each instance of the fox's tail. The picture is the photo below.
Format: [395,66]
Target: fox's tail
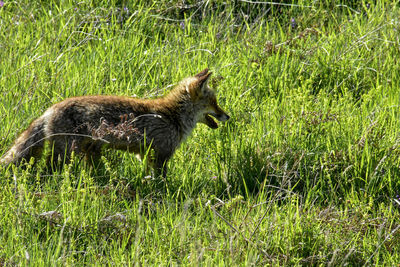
[29,144]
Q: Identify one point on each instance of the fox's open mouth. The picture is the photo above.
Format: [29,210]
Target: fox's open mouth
[210,121]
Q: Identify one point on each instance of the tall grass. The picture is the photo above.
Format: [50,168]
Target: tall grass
[306,172]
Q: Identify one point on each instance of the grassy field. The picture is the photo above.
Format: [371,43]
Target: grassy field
[306,172]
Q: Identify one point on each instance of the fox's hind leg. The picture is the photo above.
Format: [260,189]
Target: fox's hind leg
[92,153]
[61,149]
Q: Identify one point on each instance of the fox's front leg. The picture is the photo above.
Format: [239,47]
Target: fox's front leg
[154,165]
[161,170]
[159,164]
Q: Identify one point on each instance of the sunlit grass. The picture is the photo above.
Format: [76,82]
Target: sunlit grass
[306,172]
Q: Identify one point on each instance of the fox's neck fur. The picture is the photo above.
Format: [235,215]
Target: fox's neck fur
[177,107]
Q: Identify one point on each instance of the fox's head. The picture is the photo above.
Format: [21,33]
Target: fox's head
[205,100]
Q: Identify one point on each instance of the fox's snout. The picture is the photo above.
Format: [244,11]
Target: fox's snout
[219,113]
[210,122]
[221,117]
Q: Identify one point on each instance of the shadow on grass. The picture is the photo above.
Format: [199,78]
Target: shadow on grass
[254,170]
[327,175]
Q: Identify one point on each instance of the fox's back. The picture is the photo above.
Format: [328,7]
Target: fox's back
[84,109]
[122,121]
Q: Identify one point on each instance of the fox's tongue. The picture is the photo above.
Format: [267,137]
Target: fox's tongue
[211,122]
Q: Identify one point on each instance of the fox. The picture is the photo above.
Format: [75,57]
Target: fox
[84,125]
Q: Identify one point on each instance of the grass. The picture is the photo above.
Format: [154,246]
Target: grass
[306,172]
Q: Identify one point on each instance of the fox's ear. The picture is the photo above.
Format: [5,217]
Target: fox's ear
[202,73]
[203,82]
[198,85]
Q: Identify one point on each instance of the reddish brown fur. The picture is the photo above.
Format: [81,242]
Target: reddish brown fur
[85,124]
